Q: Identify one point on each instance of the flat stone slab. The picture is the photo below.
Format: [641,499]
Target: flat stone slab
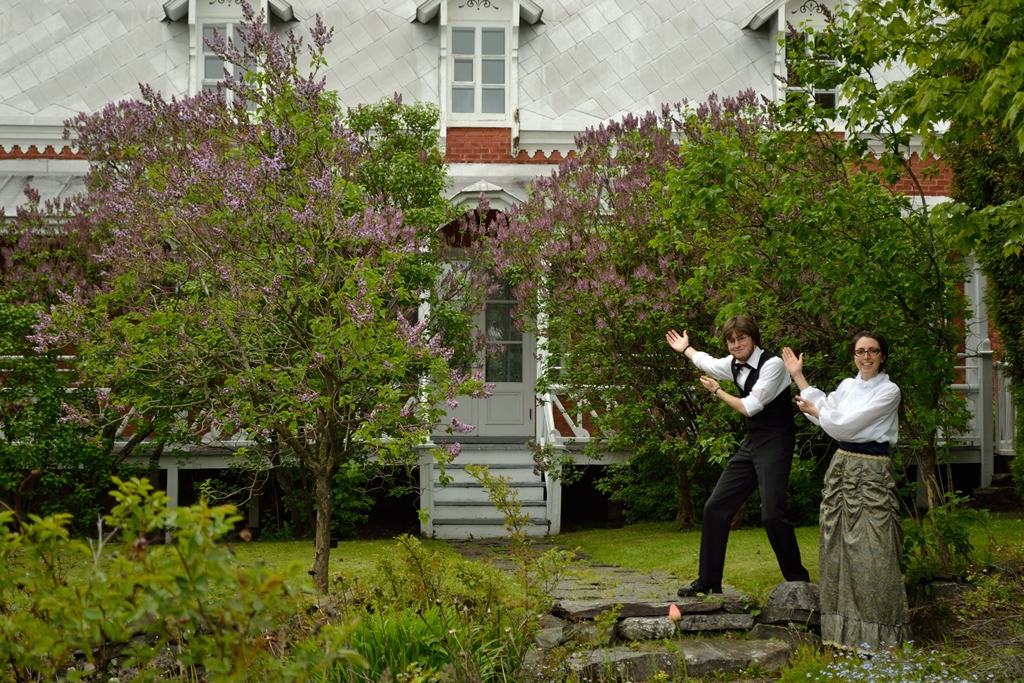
[704,657]
[656,628]
[793,637]
[579,610]
[690,657]
[720,621]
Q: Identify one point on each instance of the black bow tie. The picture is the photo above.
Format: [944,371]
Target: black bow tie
[737,365]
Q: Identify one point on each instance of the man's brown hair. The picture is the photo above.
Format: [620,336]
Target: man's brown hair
[742,324]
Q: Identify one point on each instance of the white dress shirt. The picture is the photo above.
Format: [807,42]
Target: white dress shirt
[859,410]
[771,382]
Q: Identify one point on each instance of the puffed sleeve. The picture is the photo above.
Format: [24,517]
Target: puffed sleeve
[844,420]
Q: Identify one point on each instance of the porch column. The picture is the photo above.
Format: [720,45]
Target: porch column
[171,465]
[986,421]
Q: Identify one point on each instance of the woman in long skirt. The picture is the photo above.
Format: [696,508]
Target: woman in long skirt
[863,600]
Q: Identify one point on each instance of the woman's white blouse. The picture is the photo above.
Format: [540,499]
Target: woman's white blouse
[858,410]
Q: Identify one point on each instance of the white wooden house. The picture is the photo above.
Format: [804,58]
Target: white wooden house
[515,82]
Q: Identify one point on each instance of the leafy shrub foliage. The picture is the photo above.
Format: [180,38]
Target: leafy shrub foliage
[939,544]
[150,610]
[433,616]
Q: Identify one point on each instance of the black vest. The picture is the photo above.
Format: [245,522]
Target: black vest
[777,414]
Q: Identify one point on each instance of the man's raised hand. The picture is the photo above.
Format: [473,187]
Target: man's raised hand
[679,342]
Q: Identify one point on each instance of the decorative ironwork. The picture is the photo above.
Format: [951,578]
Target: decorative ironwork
[225,2]
[479,4]
[812,7]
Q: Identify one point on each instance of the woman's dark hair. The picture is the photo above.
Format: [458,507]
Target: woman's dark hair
[742,324]
[883,344]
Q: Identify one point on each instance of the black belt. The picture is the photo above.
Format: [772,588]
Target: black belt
[867,447]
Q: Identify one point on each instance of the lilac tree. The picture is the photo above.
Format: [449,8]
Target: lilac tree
[269,254]
[49,460]
[685,218]
[585,254]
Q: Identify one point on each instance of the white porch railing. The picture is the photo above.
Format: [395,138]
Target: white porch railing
[547,426]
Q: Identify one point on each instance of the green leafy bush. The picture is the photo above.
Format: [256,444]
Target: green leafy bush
[939,544]
[150,610]
[435,616]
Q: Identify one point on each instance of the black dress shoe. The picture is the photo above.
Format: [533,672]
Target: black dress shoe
[698,587]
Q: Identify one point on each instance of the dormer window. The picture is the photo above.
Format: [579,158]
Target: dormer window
[205,17]
[479,48]
[792,19]
[479,70]
[212,65]
[824,98]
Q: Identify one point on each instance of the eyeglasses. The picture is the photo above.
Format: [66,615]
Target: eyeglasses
[860,353]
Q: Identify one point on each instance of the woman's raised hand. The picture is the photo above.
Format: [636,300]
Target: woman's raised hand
[794,363]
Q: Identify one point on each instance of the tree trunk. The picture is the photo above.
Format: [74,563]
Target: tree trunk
[322,497]
[930,475]
[684,499]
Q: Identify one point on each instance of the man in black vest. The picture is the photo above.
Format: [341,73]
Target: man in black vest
[764,458]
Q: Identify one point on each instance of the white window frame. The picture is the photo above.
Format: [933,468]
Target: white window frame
[477,84]
[227,29]
[808,89]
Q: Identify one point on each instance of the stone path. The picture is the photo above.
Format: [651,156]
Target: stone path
[609,623]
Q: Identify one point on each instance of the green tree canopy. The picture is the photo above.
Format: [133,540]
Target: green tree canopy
[683,219]
[269,258]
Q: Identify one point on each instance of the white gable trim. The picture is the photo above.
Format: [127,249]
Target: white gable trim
[498,197]
[175,10]
[428,10]
[761,16]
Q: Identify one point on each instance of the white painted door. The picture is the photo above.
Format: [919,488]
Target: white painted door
[510,366]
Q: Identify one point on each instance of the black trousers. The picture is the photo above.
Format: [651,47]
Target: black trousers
[763,460]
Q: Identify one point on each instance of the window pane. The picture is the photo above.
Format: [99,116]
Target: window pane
[493,101]
[505,364]
[825,100]
[464,70]
[493,71]
[462,100]
[499,323]
[213,68]
[463,41]
[492,41]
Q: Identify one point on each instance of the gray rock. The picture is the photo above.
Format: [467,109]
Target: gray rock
[551,632]
[593,634]
[550,621]
[706,657]
[646,628]
[538,669]
[720,621]
[947,590]
[547,638]
[621,664]
[791,636]
[692,658]
[792,602]
[578,610]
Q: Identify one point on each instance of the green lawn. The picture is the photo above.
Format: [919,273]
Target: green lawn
[750,564]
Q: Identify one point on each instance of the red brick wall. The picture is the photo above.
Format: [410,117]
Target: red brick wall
[935,177]
[489,146]
[16,152]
